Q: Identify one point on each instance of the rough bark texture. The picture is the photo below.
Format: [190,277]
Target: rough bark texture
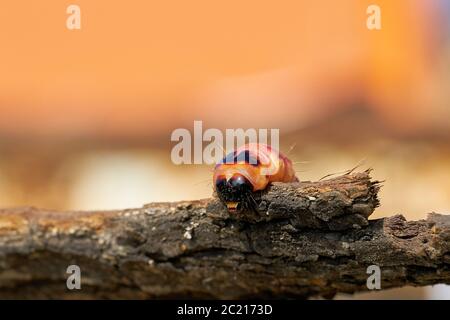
[308,239]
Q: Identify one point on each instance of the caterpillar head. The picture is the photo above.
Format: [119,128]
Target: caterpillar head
[236,178]
[235,191]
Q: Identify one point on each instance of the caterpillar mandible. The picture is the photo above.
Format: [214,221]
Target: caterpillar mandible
[249,169]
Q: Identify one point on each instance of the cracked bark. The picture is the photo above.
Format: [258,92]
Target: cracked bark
[309,239]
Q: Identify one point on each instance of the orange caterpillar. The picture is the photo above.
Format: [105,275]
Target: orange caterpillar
[249,169]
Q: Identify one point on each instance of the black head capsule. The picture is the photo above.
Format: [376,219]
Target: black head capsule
[234,192]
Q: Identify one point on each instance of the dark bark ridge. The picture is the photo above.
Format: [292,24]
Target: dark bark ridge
[307,239]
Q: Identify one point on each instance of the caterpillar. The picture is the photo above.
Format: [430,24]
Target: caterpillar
[247,170]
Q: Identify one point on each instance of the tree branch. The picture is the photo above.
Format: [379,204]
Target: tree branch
[308,239]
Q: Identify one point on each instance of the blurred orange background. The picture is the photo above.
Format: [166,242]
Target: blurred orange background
[137,68]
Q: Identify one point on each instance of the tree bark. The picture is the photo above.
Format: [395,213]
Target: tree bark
[307,239]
